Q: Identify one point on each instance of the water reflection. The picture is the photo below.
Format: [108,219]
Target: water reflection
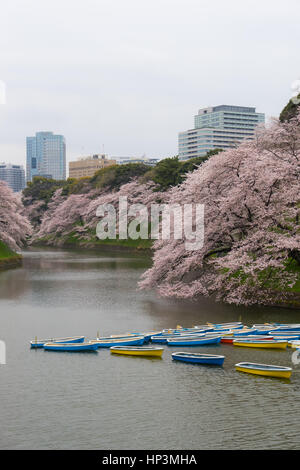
[106,401]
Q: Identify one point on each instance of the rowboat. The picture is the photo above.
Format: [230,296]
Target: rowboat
[39,343]
[204,327]
[232,325]
[227,339]
[295,334]
[163,339]
[245,332]
[181,331]
[194,341]
[109,342]
[294,344]
[287,326]
[88,346]
[127,335]
[146,335]
[230,339]
[198,358]
[286,337]
[264,369]
[264,330]
[270,344]
[256,337]
[137,351]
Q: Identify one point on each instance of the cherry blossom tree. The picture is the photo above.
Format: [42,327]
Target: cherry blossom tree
[14,225]
[75,214]
[251,252]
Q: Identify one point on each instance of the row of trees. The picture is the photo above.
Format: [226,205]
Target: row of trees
[251,252]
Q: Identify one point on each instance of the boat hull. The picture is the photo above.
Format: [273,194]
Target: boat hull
[139,341]
[209,359]
[132,351]
[284,373]
[40,343]
[75,347]
[268,344]
[195,342]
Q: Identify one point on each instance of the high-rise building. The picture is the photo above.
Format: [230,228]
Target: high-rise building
[46,156]
[87,166]
[14,175]
[221,126]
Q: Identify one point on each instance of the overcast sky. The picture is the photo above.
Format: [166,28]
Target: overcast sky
[128,75]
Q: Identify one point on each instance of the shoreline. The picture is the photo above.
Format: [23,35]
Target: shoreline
[105,246]
[11,262]
[293,302]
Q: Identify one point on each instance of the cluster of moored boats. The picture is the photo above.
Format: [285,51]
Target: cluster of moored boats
[267,335]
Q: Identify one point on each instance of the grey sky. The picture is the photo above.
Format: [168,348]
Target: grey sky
[131,74]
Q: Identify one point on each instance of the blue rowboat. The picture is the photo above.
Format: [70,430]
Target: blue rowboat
[265,330]
[109,342]
[249,331]
[194,341]
[39,343]
[70,347]
[223,330]
[149,334]
[198,358]
[164,339]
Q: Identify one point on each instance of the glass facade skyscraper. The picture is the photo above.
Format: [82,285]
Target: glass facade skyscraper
[221,126]
[13,175]
[46,156]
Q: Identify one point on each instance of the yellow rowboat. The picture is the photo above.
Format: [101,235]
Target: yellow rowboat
[294,344]
[142,351]
[264,369]
[270,344]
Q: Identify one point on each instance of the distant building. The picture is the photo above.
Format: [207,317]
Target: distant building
[46,156]
[87,166]
[14,175]
[146,161]
[221,126]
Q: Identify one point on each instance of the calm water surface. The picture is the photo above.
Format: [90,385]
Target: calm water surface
[52,400]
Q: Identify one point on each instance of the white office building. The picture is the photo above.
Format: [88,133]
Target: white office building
[215,127]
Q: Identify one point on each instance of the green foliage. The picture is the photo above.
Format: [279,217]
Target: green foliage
[6,252]
[41,188]
[289,111]
[167,173]
[76,186]
[171,171]
[115,176]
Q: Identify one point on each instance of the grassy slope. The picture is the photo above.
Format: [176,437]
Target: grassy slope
[94,242]
[8,257]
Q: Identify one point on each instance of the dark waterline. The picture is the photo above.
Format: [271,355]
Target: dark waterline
[100,401]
